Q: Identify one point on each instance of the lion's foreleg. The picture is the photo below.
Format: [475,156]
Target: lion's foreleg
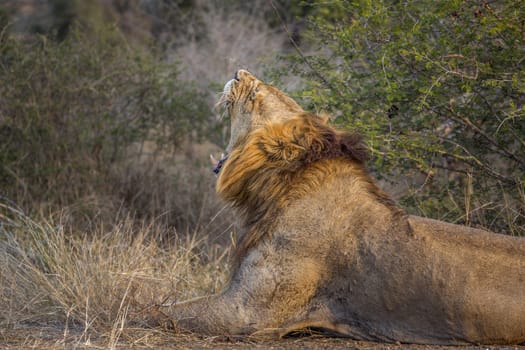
[263,294]
[205,315]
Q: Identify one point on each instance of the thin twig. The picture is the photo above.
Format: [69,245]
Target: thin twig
[499,148]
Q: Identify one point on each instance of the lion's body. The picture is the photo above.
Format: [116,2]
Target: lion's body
[324,248]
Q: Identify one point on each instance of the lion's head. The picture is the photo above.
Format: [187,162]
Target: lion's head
[252,104]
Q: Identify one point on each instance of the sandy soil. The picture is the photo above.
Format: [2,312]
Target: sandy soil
[52,338]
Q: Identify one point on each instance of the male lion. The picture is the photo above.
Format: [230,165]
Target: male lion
[324,248]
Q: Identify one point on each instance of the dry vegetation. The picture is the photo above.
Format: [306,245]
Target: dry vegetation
[98,286]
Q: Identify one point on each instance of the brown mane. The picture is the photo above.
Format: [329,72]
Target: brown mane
[283,161]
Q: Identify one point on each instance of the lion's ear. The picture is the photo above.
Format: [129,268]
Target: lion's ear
[320,140]
[296,141]
[352,146]
[280,149]
[308,139]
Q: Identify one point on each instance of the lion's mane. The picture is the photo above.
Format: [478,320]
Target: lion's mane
[283,161]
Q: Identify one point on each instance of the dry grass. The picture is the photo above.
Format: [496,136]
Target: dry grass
[82,288]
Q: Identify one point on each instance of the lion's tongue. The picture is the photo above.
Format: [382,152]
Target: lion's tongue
[217,167]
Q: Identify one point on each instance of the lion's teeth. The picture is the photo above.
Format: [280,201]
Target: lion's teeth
[227,86]
[214,161]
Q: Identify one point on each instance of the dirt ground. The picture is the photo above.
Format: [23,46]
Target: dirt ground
[52,338]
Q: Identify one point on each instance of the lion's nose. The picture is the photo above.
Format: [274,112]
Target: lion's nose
[240,74]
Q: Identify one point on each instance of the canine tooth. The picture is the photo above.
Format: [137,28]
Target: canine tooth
[227,86]
[214,161]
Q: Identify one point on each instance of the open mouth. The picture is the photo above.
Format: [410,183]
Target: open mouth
[217,165]
[229,83]
[228,86]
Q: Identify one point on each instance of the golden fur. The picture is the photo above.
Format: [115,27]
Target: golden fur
[323,247]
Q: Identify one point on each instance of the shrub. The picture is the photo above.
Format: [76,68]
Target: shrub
[74,113]
[435,86]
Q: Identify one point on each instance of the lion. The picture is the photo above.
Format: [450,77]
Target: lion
[324,248]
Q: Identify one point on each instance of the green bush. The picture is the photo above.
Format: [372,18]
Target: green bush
[436,86]
[71,112]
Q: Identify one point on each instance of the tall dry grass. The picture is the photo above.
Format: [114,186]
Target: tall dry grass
[98,285]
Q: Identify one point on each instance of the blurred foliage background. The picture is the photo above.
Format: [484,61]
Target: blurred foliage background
[106,106]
